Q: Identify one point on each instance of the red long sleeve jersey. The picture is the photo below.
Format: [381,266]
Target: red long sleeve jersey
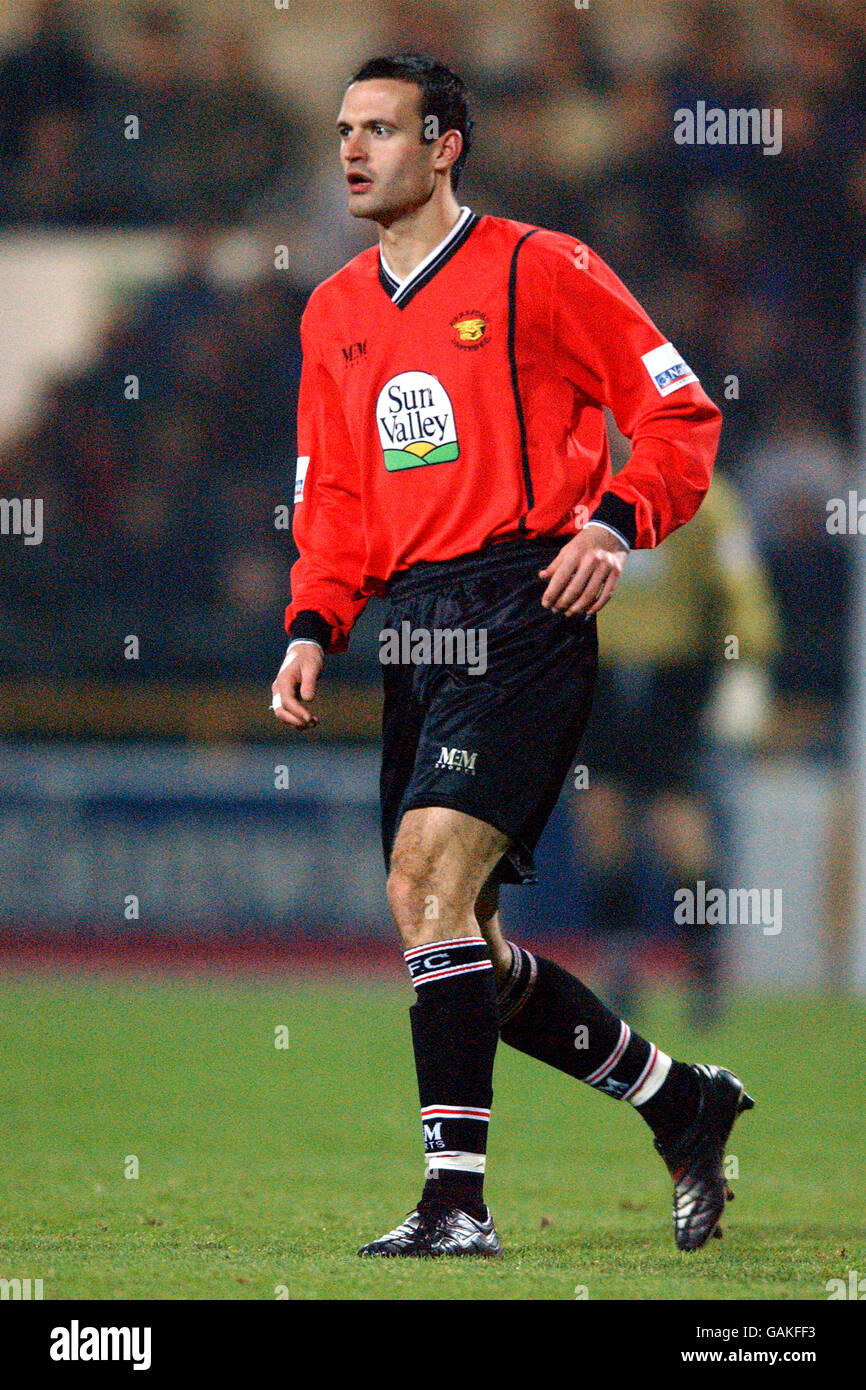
[465,405]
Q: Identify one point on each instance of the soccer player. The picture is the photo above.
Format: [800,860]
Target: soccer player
[453,457]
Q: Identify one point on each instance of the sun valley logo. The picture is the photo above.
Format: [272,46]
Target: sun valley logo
[416,422]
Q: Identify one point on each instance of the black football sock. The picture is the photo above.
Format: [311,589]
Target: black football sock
[551,1015]
[455,1029]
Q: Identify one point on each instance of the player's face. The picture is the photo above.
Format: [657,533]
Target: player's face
[389,169]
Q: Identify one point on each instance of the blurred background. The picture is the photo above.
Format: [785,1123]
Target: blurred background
[169,195]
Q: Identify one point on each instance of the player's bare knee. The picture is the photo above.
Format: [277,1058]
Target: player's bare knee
[439,864]
[426,904]
[415,904]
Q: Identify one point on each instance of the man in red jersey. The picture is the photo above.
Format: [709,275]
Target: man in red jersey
[453,457]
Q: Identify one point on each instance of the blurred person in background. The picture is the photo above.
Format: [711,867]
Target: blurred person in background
[646,811]
[250,138]
[48,84]
[799,472]
[548,125]
[161,174]
[794,469]
[716,66]
[211,137]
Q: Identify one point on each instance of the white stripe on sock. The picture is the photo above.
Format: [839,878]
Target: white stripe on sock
[453,1158]
[454,1112]
[607,1067]
[648,1085]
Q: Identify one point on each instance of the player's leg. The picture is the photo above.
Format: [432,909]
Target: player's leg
[550,1014]
[439,861]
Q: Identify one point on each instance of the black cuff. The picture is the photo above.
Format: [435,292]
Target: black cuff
[312,625]
[613,511]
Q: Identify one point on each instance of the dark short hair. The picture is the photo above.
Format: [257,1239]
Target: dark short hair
[443,95]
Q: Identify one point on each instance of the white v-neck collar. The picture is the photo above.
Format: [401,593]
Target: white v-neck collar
[402,285]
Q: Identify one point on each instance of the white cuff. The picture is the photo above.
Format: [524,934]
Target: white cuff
[613,531]
[296,641]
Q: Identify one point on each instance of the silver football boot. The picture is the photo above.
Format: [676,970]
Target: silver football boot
[435,1229]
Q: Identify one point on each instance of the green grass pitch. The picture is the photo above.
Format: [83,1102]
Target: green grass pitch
[262,1168]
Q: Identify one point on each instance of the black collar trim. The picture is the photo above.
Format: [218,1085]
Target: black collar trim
[400,295]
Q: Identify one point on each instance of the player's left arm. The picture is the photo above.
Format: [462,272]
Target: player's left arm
[613,352]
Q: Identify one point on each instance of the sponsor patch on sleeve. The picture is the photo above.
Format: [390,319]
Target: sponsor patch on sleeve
[667,369]
[300,475]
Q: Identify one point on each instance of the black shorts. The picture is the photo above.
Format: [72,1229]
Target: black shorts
[498,744]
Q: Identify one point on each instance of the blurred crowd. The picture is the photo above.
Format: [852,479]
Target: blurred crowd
[162,510]
[208,134]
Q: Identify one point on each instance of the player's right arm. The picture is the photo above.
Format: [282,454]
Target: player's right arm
[328,531]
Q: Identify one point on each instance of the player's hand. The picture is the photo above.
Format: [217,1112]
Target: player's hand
[296,682]
[585,573]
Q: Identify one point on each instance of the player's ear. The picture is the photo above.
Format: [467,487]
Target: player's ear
[450,146]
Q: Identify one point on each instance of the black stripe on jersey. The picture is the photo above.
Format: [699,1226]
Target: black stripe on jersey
[401,297]
[515,384]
